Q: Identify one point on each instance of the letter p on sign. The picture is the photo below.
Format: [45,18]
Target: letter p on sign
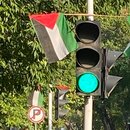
[36,114]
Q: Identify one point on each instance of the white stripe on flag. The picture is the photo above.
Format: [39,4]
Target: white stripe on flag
[35,98]
[57,42]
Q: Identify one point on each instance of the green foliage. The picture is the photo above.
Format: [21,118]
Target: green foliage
[13,109]
[23,63]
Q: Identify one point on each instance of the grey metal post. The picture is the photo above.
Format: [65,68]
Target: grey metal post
[90,10]
[88,111]
[50,108]
[88,106]
[50,111]
[56,106]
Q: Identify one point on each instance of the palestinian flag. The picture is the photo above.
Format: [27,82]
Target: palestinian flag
[128,19]
[54,35]
[127,51]
[36,98]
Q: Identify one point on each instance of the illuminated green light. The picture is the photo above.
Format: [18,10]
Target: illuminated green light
[87,83]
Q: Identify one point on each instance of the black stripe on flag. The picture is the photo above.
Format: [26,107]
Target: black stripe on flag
[45,41]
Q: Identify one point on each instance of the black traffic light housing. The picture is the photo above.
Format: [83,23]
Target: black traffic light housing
[88,58]
[110,81]
[60,101]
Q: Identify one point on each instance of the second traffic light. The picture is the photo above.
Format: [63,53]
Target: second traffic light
[110,80]
[60,101]
[88,58]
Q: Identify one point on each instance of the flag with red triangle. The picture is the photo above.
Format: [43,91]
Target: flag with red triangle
[54,35]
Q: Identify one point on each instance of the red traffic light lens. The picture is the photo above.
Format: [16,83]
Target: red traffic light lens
[87,31]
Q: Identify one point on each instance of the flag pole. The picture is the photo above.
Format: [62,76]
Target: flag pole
[35,126]
[88,105]
[50,109]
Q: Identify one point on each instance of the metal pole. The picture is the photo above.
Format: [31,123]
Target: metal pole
[56,107]
[35,126]
[90,10]
[88,111]
[50,111]
[88,106]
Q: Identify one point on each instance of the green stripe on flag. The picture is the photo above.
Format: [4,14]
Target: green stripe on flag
[128,19]
[37,99]
[127,51]
[40,99]
[66,34]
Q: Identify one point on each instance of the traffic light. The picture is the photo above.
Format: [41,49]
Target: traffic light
[128,126]
[60,101]
[88,58]
[110,81]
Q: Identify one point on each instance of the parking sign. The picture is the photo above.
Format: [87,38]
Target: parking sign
[36,114]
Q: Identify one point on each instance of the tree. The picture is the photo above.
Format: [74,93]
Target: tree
[23,62]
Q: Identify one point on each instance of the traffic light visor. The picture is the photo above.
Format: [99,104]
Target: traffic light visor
[87,31]
[87,82]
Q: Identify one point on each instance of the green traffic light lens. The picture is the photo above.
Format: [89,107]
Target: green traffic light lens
[88,83]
